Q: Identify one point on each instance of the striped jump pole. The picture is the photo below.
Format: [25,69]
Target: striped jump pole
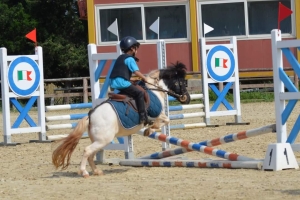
[172,127]
[69,106]
[61,126]
[186,115]
[66,117]
[89,105]
[193,97]
[197,147]
[214,142]
[187,126]
[59,137]
[185,107]
[193,163]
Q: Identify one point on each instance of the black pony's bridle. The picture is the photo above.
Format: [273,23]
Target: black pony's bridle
[169,92]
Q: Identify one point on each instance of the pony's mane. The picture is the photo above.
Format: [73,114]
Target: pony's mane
[173,72]
[177,70]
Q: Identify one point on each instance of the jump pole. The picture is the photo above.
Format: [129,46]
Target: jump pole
[214,142]
[69,106]
[193,163]
[198,147]
[59,137]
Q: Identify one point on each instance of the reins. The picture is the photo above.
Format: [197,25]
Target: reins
[158,88]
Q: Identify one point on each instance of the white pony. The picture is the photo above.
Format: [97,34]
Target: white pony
[103,124]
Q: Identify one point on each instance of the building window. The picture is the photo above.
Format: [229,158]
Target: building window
[244,18]
[129,23]
[227,19]
[263,16]
[135,20]
[172,22]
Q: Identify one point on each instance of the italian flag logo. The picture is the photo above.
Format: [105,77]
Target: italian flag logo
[24,75]
[221,62]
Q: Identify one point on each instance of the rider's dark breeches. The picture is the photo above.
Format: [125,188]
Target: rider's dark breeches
[138,96]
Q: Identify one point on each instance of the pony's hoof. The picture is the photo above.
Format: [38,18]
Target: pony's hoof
[86,176]
[98,173]
[147,132]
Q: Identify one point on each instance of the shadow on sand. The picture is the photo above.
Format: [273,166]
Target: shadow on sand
[73,174]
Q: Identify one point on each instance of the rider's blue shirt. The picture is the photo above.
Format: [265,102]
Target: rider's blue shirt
[121,83]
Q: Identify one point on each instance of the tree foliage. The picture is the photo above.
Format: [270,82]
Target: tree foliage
[60,32]
[15,22]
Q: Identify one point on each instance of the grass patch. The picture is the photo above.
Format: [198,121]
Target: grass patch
[246,97]
[255,96]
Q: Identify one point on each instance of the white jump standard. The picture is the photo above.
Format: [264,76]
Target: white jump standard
[22,76]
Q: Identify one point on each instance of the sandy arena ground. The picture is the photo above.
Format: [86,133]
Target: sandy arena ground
[27,171]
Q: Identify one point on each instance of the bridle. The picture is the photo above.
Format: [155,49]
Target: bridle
[178,85]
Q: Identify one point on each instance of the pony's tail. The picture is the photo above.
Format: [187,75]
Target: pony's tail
[62,154]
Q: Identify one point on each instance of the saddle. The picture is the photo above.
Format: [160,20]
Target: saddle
[126,99]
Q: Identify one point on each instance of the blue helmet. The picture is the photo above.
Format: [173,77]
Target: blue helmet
[128,42]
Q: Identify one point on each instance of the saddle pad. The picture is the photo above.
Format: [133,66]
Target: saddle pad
[128,117]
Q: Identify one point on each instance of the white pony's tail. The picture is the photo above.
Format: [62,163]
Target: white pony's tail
[62,154]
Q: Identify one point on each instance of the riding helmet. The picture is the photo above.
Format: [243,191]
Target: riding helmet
[127,42]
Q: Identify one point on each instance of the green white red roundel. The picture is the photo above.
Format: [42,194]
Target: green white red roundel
[23,76]
[220,63]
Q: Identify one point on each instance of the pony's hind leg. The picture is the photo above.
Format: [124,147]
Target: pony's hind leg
[93,166]
[102,130]
[88,154]
[91,160]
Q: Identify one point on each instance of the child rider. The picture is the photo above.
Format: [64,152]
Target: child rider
[122,71]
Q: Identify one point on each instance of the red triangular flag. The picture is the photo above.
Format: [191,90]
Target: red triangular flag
[283,12]
[32,35]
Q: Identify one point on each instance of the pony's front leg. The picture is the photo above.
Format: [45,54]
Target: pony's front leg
[163,120]
[158,123]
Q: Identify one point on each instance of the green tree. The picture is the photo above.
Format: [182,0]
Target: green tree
[63,37]
[67,59]
[15,23]
[60,32]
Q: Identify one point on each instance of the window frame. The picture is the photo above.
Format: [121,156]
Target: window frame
[247,36]
[142,6]
[187,16]
[98,25]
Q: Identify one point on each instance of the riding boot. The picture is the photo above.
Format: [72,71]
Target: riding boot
[144,119]
[148,121]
